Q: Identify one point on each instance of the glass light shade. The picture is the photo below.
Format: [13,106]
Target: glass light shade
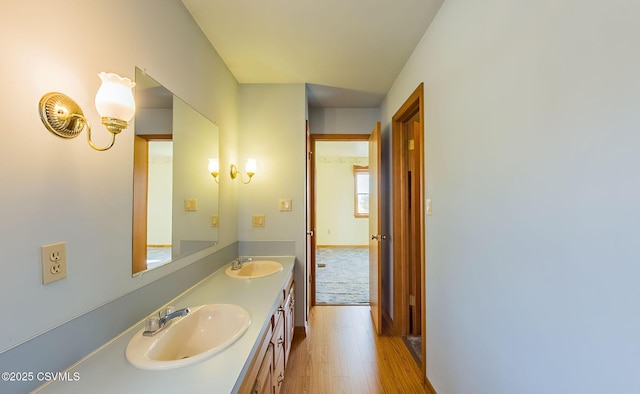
[214,166]
[251,166]
[115,98]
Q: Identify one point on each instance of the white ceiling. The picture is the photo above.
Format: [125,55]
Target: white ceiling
[349,52]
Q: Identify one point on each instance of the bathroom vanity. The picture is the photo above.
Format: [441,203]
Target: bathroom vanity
[254,363]
[266,372]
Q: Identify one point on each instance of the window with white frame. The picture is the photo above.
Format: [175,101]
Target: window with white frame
[361,191]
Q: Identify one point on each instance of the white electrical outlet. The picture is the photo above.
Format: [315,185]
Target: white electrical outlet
[54,262]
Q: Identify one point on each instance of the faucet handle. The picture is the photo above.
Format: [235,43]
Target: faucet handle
[167,311]
[152,324]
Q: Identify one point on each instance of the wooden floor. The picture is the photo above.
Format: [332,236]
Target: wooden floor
[341,354]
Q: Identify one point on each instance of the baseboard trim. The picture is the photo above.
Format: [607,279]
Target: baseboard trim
[387,323]
[340,246]
[300,330]
[429,387]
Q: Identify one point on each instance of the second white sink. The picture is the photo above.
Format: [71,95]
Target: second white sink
[204,332]
[255,269]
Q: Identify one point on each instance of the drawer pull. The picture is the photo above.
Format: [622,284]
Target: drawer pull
[280,340]
[280,378]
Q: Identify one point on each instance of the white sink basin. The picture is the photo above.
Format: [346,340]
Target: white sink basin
[255,269]
[204,332]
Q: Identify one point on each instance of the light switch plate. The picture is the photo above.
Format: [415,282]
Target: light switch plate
[257,220]
[214,220]
[190,204]
[284,204]
[428,208]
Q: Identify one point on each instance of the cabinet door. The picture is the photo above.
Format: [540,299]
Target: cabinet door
[278,373]
[289,321]
[278,339]
[264,380]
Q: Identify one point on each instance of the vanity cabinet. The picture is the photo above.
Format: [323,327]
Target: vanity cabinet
[266,371]
[278,352]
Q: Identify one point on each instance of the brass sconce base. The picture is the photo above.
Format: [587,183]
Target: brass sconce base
[233,171]
[114,125]
[61,115]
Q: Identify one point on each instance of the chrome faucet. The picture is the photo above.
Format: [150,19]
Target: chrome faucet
[236,264]
[155,324]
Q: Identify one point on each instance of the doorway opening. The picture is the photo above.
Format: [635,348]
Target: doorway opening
[152,201]
[340,210]
[159,202]
[408,225]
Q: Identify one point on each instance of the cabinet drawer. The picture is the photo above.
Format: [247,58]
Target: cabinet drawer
[279,313]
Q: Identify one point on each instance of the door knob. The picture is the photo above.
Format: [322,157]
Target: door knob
[310,233]
[375,237]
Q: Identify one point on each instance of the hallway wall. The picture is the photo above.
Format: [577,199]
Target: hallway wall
[531,125]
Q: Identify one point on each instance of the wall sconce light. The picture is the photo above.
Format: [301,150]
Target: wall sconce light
[114,101]
[214,168]
[250,168]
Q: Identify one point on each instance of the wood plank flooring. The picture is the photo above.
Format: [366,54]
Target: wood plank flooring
[341,354]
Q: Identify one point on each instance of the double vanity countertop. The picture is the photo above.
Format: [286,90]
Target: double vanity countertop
[107,370]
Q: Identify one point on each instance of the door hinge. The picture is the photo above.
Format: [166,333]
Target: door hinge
[412,144]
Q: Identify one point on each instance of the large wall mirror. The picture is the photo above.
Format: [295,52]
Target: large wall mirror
[175,201]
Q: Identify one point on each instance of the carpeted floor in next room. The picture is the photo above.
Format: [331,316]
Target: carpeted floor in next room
[342,276]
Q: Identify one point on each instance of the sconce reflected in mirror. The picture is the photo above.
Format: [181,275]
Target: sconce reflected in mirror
[114,101]
[250,168]
[214,168]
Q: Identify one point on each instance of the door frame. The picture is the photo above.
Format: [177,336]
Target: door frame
[312,203]
[401,122]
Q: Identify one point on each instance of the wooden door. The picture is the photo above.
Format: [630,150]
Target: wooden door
[409,236]
[414,221]
[140,182]
[311,255]
[375,229]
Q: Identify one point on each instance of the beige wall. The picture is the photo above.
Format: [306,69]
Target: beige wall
[336,223]
[273,132]
[160,194]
